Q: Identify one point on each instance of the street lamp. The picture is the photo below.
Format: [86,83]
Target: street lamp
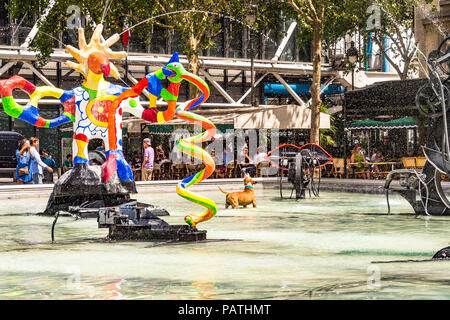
[352,58]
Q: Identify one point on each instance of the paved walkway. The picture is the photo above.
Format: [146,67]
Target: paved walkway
[14,191]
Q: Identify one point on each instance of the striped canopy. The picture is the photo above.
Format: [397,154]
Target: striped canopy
[401,123]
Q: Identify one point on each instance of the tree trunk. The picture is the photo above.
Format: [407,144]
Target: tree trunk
[194,63]
[315,87]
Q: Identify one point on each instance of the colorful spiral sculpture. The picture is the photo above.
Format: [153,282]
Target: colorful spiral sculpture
[188,146]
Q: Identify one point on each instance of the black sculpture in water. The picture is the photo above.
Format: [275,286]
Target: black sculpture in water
[302,165]
[423,189]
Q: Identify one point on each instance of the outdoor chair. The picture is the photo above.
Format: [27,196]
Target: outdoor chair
[338,167]
[262,168]
[318,173]
[165,170]
[179,170]
[409,162]
[156,171]
[382,171]
[361,174]
[420,162]
[327,170]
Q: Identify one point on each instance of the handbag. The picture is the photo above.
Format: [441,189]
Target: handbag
[23,171]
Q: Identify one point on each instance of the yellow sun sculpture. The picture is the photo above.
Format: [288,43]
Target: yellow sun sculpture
[97,44]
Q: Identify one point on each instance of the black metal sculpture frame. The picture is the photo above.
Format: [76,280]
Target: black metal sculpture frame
[432,101]
[300,175]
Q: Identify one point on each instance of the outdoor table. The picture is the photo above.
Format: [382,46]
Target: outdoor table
[386,163]
[383,168]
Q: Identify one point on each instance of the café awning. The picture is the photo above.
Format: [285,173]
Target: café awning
[401,123]
[263,117]
[283,117]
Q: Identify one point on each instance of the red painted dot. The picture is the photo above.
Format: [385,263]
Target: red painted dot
[120,111]
[120,126]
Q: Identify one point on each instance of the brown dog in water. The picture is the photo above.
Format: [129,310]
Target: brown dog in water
[241,198]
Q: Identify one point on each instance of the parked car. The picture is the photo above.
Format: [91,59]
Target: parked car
[9,141]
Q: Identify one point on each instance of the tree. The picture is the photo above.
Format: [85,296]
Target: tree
[322,21]
[199,27]
[115,15]
[397,26]
[197,24]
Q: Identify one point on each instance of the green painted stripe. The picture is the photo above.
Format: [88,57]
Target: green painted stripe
[71,116]
[207,205]
[47,124]
[167,96]
[159,74]
[11,107]
[195,179]
[94,93]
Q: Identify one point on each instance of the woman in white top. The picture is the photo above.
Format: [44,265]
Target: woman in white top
[36,163]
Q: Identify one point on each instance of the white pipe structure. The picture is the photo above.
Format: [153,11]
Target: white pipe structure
[261,66]
[289,89]
[144,103]
[40,75]
[218,87]
[7,66]
[265,67]
[35,28]
[285,41]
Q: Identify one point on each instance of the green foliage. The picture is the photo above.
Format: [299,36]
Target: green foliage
[339,17]
[196,29]
[132,11]
[396,25]
[328,136]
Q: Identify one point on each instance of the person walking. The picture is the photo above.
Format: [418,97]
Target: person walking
[23,168]
[147,165]
[36,163]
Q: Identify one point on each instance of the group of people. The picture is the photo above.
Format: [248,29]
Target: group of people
[143,166]
[37,168]
[362,163]
[32,166]
[248,164]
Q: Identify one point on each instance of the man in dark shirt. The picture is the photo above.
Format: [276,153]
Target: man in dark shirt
[48,160]
[67,164]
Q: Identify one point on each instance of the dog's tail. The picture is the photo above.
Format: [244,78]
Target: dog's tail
[222,190]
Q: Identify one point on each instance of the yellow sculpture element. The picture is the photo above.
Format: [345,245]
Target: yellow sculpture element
[98,44]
